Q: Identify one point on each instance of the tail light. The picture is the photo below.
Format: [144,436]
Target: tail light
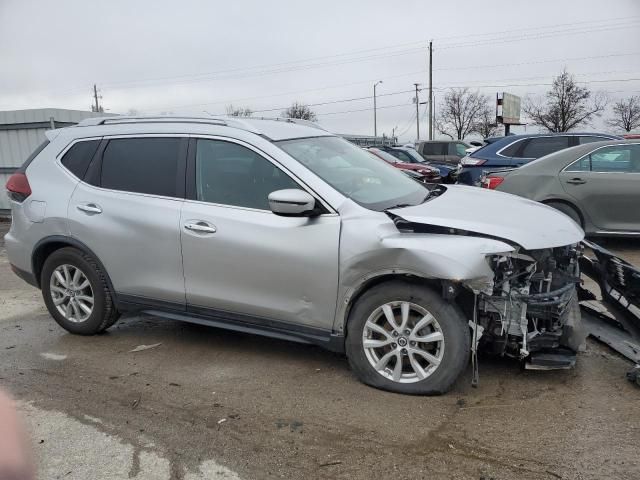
[492,182]
[471,161]
[18,187]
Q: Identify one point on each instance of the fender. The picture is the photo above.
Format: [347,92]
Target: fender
[72,242]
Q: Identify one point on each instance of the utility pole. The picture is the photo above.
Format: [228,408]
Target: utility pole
[96,106]
[417,113]
[375,121]
[430,90]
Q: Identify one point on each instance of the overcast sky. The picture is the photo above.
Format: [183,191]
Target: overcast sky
[193,56]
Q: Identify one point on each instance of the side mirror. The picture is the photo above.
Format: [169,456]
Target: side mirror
[292,203]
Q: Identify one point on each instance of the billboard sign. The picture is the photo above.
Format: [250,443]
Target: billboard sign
[508,109]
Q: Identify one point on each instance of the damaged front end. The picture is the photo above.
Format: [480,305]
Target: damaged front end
[529,309]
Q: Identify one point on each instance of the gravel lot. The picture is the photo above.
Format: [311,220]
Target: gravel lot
[207,403]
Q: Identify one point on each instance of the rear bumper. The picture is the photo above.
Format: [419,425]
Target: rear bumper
[473,175]
[26,276]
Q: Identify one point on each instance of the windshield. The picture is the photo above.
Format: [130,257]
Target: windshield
[417,158]
[387,157]
[356,174]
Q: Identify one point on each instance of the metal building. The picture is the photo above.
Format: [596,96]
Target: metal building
[21,131]
[371,141]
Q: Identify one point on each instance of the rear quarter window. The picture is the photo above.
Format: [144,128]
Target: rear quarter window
[512,150]
[78,157]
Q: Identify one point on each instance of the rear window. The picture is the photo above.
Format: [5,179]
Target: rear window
[78,157]
[141,165]
[541,146]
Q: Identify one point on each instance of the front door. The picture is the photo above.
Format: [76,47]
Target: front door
[606,184]
[241,258]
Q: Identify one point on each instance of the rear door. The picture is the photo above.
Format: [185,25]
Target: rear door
[434,151]
[127,211]
[537,147]
[606,185]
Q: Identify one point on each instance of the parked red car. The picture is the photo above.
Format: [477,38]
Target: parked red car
[632,136]
[429,174]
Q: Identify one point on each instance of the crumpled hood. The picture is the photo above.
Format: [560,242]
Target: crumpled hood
[530,224]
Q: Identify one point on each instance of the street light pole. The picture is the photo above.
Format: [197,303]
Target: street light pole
[375,121]
[417,113]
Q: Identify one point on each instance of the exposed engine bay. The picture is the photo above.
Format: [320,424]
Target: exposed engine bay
[530,309]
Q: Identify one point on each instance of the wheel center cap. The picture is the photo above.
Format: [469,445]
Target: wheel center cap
[402,342]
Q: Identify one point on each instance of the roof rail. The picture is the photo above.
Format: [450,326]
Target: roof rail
[211,120]
[299,121]
[229,121]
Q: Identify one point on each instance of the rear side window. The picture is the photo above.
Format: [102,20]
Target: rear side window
[590,139]
[78,157]
[434,149]
[541,146]
[616,159]
[142,165]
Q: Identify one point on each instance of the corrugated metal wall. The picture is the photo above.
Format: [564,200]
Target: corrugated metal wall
[21,131]
[17,145]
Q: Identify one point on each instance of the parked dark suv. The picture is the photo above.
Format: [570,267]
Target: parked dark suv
[517,150]
[449,151]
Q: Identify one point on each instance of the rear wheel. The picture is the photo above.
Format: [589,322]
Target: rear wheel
[405,338]
[568,210]
[76,292]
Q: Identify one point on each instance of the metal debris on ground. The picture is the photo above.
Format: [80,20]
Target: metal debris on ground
[140,348]
[619,283]
[633,375]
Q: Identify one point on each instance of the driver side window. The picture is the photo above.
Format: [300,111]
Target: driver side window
[231,174]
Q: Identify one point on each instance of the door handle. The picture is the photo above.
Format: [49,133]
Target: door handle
[89,208]
[200,227]
[576,181]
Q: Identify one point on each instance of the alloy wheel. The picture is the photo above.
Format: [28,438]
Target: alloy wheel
[71,293]
[403,342]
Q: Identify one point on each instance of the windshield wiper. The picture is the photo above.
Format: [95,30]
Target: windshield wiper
[400,205]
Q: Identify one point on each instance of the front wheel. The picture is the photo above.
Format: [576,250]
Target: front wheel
[405,338]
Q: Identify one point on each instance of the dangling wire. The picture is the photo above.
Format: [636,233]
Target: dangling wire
[475,378]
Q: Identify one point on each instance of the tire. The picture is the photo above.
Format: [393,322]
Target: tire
[568,210]
[448,325]
[64,289]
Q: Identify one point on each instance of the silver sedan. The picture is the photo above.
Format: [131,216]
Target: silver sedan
[597,185]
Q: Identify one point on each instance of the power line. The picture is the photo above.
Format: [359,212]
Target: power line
[539,36]
[365,109]
[300,64]
[416,73]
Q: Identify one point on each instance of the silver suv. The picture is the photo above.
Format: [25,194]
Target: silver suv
[283,229]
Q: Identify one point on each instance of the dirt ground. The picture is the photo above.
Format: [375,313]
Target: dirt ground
[207,403]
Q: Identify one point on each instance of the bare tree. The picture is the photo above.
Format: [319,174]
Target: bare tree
[567,105]
[238,112]
[299,110]
[626,114]
[486,124]
[461,112]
